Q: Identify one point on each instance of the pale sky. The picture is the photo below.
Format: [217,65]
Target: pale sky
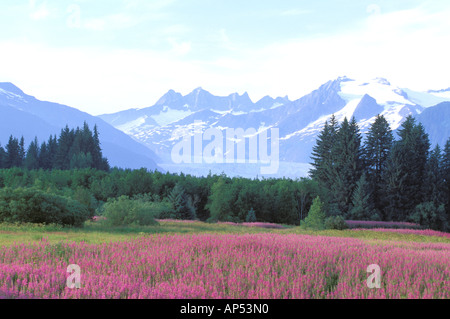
[102,56]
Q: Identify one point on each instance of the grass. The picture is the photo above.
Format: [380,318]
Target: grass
[97,233]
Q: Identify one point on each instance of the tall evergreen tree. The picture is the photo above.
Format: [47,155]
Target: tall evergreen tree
[376,152]
[322,156]
[77,144]
[44,157]
[363,207]
[52,147]
[406,171]
[181,203]
[21,151]
[96,150]
[2,157]
[32,157]
[434,180]
[63,153]
[348,167]
[13,153]
[446,177]
[395,195]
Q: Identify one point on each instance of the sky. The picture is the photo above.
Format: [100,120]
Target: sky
[104,56]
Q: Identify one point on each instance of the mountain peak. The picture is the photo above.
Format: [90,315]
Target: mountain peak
[245,94]
[367,108]
[199,90]
[169,97]
[9,87]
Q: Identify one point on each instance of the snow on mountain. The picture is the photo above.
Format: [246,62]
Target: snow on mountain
[169,116]
[367,99]
[426,99]
[364,100]
[380,88]
[299,122]
[140,137]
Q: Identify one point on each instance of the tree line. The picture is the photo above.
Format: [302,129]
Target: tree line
[380,178]
[210,198]
[383,178]
[74,148]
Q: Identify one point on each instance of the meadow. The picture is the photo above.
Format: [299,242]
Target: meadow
[186,260]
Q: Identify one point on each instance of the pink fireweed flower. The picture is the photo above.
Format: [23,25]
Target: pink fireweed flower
[215,266]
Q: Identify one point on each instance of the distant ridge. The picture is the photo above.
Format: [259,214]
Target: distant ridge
[24,115]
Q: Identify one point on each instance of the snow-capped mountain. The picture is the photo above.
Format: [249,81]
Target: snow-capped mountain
[154,125]
[143,137]
[24,115]
[175,116]
[173,107]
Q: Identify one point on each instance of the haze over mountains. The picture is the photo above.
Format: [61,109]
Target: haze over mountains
[174,116]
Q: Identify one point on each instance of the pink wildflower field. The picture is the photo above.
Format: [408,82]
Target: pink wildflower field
[216,266]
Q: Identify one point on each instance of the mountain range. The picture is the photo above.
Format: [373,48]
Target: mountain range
[147,136]
[299,122]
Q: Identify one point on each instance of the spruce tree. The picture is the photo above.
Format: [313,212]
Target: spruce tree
[348,167]
[32,157]
[2,157]
[376,152]
[322,156]
[251,216]
[445,169]
[395,194]
[63,152]
[363,208]
[181,203]
[406,171]
[44,157]
[76,147]
[21,152]
[12,153]
[434,181]
[52,148]
[96,150]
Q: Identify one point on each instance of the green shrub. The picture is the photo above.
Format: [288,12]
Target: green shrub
[124,211]
[30,205]
[251,217]
[429,215]
[163,210]
[181,203]
[336,222]
[316,216]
